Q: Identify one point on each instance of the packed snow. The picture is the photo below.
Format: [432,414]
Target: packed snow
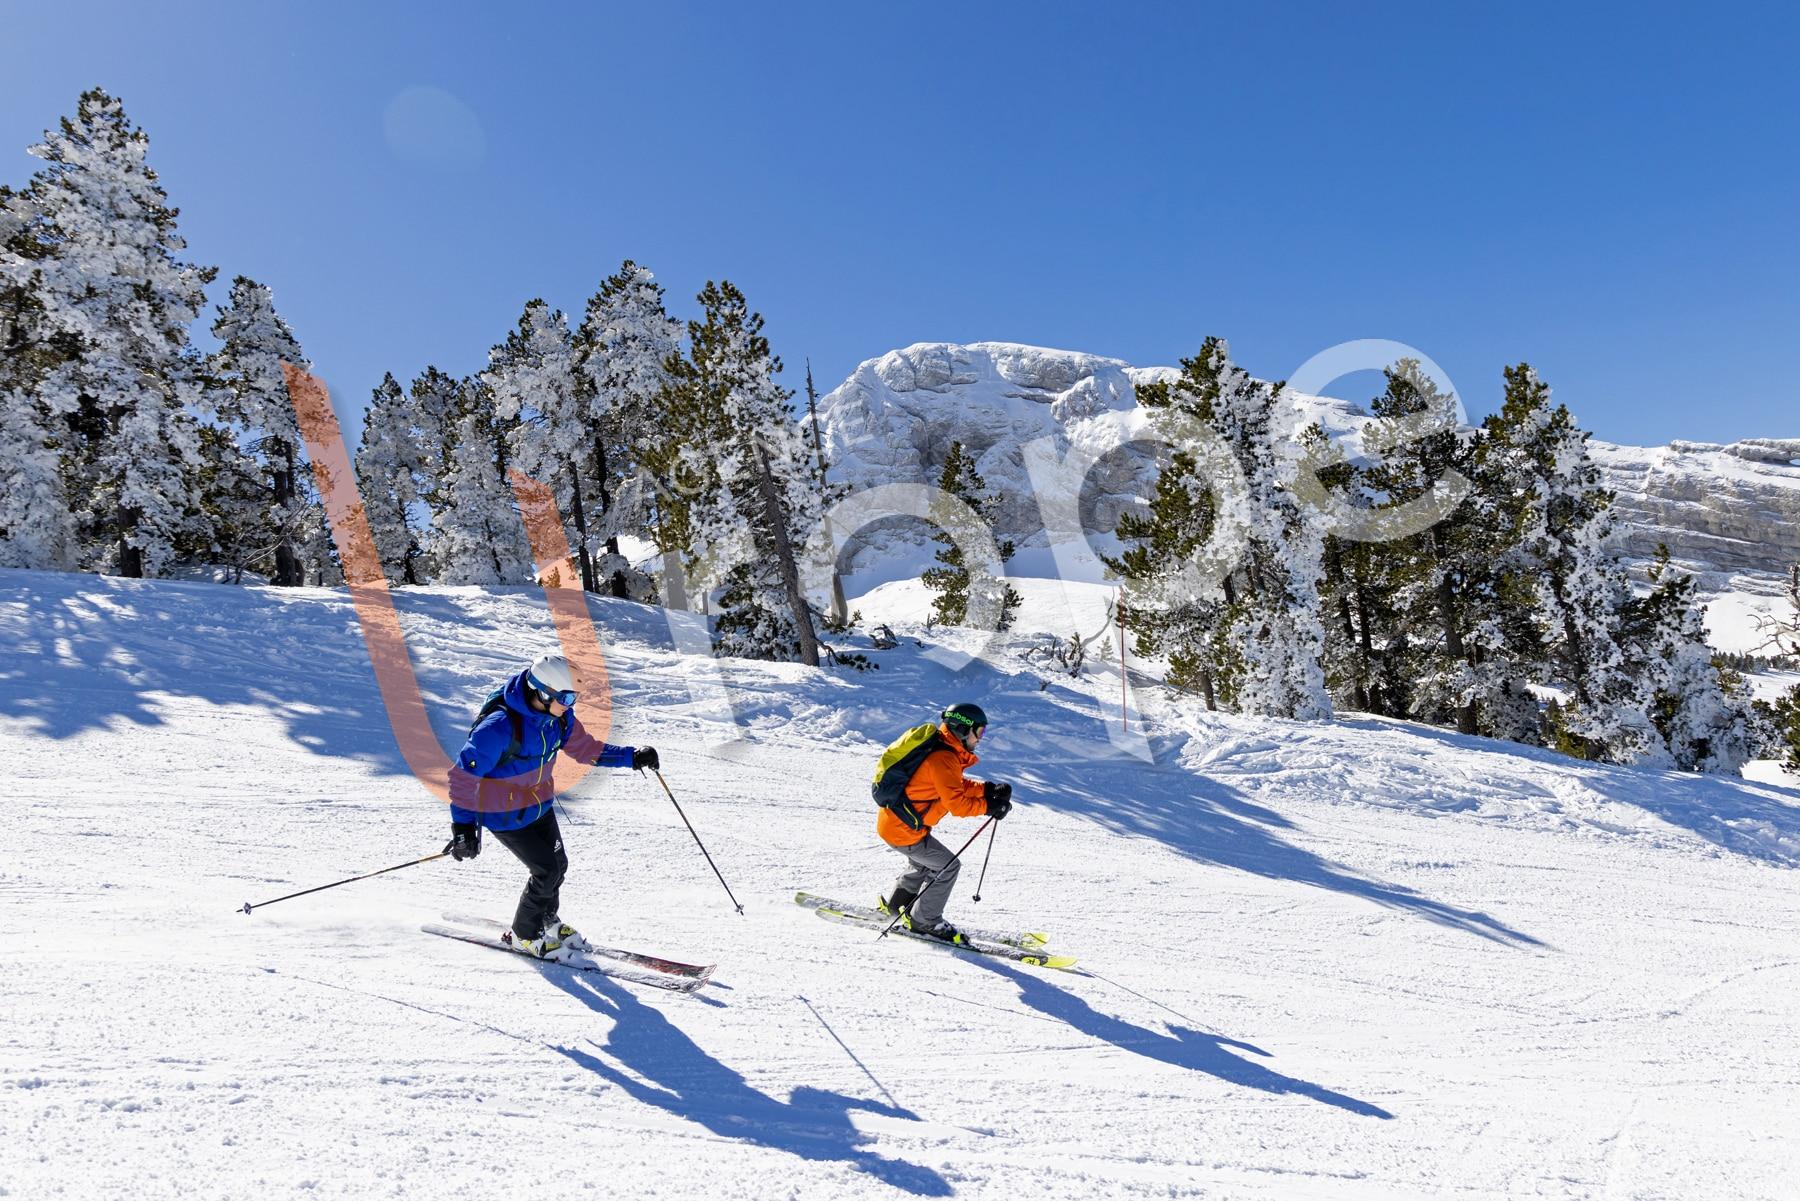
[1347,959]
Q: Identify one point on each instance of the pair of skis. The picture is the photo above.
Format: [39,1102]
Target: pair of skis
[1028,948]
[632,966]
[654,971]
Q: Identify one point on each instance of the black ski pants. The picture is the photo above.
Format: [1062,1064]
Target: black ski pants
[539,847]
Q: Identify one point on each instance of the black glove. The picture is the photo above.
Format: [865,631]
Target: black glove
[999,799]
[645,756]
[465,841]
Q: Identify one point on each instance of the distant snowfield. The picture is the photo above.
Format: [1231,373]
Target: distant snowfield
[1358,959]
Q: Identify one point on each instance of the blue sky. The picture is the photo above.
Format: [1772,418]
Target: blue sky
[1612,193]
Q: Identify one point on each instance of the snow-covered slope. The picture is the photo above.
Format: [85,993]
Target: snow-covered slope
[1360,959]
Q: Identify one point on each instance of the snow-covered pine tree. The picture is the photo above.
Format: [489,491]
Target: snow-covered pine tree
[1782,634]
[1167,616]
[1274,626]
[390,462]
[951,582]
[233,494]
[477,535]
[533,380]
[623,351]
[1450,605]
[249,395]
[1269,640]
[1363,640]
[37,529]
[1553,500]
[752,500]
[1703,724]
[106,286]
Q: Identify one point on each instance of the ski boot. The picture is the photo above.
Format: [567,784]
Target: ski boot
[566,936]
[941,930]
[544,946]
[900,902]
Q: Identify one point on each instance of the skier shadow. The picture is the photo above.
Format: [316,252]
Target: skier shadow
[1212,822]
[1182,1047]
[653,1062]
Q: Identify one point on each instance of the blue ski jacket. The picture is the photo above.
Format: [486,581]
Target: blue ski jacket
[508,788]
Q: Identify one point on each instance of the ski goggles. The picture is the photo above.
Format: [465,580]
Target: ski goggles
[566,697]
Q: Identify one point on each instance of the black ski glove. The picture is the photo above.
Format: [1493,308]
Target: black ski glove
[465,841]
[999,799]
[645,756]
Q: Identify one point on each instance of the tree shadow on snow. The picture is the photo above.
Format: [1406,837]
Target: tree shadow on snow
[652,1061]
[1755,818]
[1212,822]
[1193,1050]
[99,649]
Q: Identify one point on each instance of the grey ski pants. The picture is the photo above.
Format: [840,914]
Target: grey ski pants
[924,859]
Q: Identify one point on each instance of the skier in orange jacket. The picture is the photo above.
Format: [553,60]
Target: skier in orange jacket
[938,789]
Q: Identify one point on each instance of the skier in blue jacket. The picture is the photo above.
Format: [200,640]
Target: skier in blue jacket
[502,780]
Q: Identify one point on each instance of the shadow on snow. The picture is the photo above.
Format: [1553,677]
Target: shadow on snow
[1193,1050]
[651,1060]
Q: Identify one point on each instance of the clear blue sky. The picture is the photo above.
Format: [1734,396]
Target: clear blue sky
[1610,192]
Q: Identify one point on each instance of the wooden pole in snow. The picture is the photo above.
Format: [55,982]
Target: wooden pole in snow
[1124,690]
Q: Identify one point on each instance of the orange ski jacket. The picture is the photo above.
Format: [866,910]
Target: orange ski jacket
[937,790]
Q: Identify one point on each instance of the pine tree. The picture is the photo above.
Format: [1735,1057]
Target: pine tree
[533,380]
[623,353]
[477,537]
[749,494]
[1702,721]
[1266,549]
[37,529]
[1167,615]
[1450,655]
[1364,642]
[1274,626]
[107,289]
[1783,715]
[249,394]
[952,581]
[390,462]
[1560,514]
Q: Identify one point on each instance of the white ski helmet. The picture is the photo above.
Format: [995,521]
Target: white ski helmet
[552,678]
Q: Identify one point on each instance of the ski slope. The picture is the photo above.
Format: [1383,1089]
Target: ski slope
[1359,959]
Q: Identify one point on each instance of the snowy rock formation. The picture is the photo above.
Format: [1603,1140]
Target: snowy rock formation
[1729,508]
[1721,509]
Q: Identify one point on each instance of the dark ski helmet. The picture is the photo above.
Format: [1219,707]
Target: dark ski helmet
[964,717]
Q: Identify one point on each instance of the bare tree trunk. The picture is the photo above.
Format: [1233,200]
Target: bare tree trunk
[1453,643]
[588,582]
[1334,571]
[784,554]
[288,571]
[131,558]
[617,583]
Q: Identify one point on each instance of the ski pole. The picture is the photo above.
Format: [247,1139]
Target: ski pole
[940,871]
[697,842]
[993,830]
[353,879]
